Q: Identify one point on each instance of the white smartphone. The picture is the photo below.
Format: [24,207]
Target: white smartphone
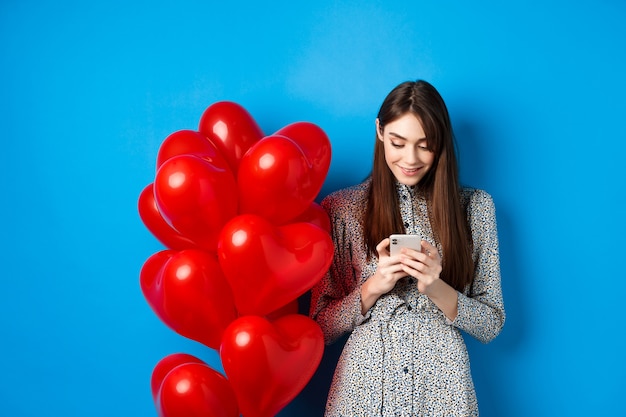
[398,241]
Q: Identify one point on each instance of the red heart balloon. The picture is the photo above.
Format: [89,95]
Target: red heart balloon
[190,142]
[195,197]
[269,363]
[316,215]
[156,224]
[164,366]
[190,295]
[269,266]
[196,390]
[314,143]
[151,268]
[290,308]
[275,180]
[231,128]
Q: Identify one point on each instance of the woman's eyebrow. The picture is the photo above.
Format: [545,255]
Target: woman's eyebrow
[397,136]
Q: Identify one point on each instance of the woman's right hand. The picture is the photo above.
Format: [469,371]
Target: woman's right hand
[388,272]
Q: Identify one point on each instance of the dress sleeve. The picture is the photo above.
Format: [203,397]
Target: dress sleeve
[481,310]
[336,299]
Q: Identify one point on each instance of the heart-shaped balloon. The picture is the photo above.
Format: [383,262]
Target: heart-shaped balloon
[269,363]
[290,308]
[151,268]
[231,128]
[316,215]
[276,181]
[196,390]
[269,266]
[189,294]
[314,143]
[164,366]
[195,197]
[190,142]
[154,222]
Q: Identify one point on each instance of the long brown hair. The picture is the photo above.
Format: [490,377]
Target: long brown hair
[440,185]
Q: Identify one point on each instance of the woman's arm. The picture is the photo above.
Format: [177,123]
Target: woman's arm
[336,299]
[481,312]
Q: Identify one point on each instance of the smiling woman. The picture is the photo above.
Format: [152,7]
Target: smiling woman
[406,148]
[405,312]
[90,89]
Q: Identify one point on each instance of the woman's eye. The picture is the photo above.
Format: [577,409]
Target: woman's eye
[396,145]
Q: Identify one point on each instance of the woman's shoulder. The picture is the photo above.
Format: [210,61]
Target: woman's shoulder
[475,197]
[478,205]
[350,198]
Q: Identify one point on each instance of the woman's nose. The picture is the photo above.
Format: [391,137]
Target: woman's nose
[410,156]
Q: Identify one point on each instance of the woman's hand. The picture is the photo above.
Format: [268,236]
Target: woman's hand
[388,272]
[424,265]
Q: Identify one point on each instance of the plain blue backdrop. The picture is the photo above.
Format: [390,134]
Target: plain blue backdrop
[89,90]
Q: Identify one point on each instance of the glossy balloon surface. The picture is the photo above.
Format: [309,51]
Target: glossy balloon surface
[269,363]
[268,266]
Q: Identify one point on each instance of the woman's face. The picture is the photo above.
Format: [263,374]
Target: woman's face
[406,152]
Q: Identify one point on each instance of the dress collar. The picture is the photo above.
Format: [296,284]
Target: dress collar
[406,191]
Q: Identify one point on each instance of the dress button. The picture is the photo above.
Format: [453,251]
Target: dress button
[408,307]
[406,370]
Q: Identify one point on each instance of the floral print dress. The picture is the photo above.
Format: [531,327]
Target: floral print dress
[404,357]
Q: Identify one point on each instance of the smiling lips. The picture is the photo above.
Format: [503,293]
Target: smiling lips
[410,172]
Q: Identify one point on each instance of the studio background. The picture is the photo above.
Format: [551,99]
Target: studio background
[89,90]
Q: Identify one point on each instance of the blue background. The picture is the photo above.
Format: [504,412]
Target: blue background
[89,90]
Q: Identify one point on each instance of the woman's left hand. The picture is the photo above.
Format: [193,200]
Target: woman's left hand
[425,266]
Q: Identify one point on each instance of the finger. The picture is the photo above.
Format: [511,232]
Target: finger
[429,249]
[390,268]
[415,256]
[410,252]
[416,265]
[399,275]
[421,273]
[411,271]
[383,247]
[429,267]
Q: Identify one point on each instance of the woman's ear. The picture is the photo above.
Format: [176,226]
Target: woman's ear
[379,130]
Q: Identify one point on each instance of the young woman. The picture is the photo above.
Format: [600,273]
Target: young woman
[405,355]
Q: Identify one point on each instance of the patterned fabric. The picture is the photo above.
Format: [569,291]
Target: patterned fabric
[404,357]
